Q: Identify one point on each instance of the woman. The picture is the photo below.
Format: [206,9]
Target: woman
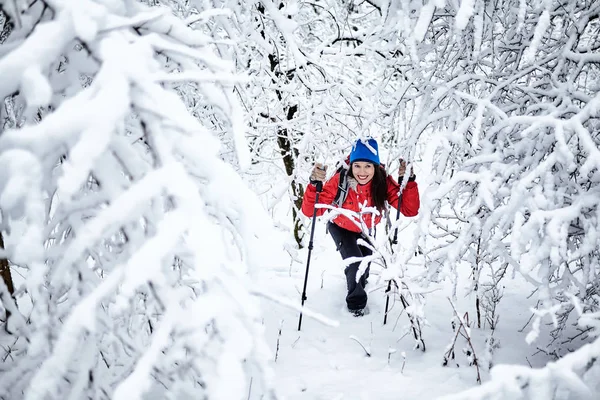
[368,186]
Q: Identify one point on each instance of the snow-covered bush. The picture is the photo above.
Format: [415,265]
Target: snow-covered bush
[574,376]
[508,94]
[130,238]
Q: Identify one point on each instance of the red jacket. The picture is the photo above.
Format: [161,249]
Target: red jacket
[361,196]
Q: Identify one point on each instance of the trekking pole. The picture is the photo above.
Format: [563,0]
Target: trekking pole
[319,186]
[394,241]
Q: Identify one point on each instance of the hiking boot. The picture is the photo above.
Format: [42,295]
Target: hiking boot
[359,312]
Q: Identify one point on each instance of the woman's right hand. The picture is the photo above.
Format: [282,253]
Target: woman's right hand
[318,173]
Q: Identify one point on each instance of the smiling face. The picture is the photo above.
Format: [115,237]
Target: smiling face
[363,171]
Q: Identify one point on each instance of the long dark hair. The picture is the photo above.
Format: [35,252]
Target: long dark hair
[378,187]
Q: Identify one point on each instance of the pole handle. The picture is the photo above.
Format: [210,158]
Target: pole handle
[319,186]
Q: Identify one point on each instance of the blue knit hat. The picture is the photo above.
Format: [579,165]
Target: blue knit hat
[360,151]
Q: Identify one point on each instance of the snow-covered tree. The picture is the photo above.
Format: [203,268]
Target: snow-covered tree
[314,73]
[508,93]
[129,238]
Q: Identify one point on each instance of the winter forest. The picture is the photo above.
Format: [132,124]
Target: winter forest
[153,159]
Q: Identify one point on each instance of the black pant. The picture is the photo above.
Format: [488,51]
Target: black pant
[346,244]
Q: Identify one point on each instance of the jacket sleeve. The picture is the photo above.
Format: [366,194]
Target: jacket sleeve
[326,197]
[410,197]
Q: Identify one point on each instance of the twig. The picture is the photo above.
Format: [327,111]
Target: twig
[391,351]
[414,322]
[295,341]
[464,326]
[529,320]
[397,319]
[403,336]
[278,338]
[403,362]
[449,354]
[9,350]
[361,345]
[582,332]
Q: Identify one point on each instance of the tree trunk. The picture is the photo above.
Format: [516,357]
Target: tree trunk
[5,30]
[6,276]
[285,141]
[289,154]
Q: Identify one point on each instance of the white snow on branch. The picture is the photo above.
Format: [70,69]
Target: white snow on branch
[464,14]
[424,21]
[540,29]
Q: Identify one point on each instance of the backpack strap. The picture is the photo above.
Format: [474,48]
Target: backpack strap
[342,190]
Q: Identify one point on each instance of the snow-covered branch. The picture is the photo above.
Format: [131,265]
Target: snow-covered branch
[575,374]
[133,235]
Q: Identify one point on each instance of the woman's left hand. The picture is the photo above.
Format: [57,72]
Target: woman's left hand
[402,169]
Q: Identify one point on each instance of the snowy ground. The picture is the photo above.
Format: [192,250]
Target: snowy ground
[324,362]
